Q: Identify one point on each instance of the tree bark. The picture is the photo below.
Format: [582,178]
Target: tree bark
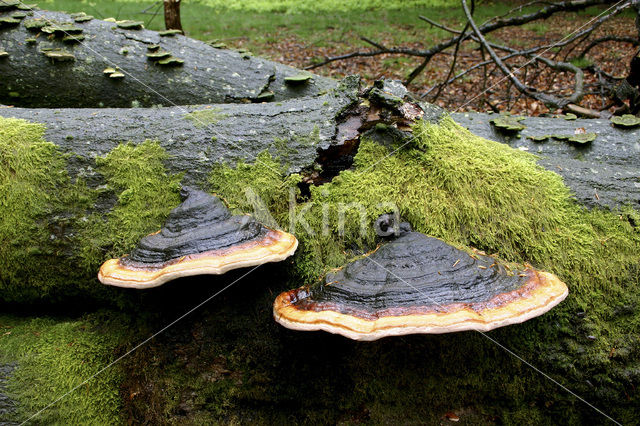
[172,15]
[602,173]
[208,75]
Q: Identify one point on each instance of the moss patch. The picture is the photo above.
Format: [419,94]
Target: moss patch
[53,357]
[205,117]
[39,203]
[145,192]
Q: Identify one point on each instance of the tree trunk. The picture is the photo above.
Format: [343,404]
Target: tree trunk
[77,74]
[172,15]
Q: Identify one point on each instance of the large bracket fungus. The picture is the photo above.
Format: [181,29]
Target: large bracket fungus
[418,284]
[200,236]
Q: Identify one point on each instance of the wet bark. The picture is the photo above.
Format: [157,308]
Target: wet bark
[601,173]
[299,131]
[30,78]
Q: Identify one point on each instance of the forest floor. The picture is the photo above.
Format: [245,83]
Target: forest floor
[303,33]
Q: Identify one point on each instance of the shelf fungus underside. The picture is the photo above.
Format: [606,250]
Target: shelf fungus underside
[418,284]
[200,236]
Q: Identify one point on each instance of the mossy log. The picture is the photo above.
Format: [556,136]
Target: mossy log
[54,61]
[76,193]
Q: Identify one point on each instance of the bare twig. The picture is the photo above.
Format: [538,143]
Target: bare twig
[634,41]
[438,25]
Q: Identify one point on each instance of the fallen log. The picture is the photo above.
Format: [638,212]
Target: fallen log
[55,60]
[64,168]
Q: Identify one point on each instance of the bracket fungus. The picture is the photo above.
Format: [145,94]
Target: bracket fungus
[169,33]
[418,284]
[298,79]
[626,120]
[508,123]
[200,236]
[130,25]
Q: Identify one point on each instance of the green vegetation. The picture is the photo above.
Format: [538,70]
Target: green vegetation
[38,203]
[581,62]
[145,195]
[44,212]
[52,357]
[463,189]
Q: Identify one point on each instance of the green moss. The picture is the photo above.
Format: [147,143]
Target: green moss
[205,117]
[145,194]
[465,190]
[38,204]
[264,179]
[52,357]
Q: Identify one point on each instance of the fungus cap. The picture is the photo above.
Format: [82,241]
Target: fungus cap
[200,236]
[418,284]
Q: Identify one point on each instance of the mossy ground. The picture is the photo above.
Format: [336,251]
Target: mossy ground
[53,356]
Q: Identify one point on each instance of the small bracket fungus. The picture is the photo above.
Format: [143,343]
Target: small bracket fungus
[200,236]
[169,33]
[156,55]
[265,96]
[298,79]
[35,25]
[60,30]
[539,138]
[418,284]
[130,25]
[81,17]
[582,138]
[171,61]
[508,124]
[627,120]
[8,21]
[9,5]
[117,75]
[4,54]
[58,55]
[72,39]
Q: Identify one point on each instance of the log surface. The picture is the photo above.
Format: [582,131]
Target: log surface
[602,173]
[208,75]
